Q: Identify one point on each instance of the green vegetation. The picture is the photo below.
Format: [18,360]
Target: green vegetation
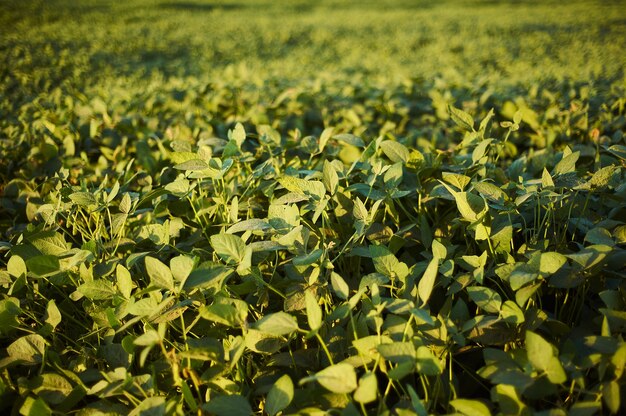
[377,207]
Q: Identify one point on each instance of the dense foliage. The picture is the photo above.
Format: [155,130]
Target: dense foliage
[263,207]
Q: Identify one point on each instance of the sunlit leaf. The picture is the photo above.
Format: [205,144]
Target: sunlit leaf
[28,349]
[279,396]
[313,311]
[338,378]
[486,299]
[279,323]
[470,407]
[396,152]
[461,118]
[160,275]
[367,391]
[544,356]
[97,289]
[229,247]
[340,287]
[427,281]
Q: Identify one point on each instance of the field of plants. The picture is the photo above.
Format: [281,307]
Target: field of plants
[266,207]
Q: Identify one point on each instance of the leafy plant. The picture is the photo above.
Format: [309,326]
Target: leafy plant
[189,237]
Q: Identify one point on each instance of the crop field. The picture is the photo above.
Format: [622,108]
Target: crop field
[335,207]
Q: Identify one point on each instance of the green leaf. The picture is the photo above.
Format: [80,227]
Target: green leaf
[340,287]
[100,289]
[53,315]
[43,265]
[439,250]
[360,214]
[603,177]
[252,224]
[144,307]
[183,152]
[544,356]
[427,282]
[339,378]
[472,207]
[490,191]
[309,258]
[349,139]
[238,134]
[521,275]
[367,391]
[181,267]
[397,352]
[191,165]
[546,179]
[384,261]
[555,372]
[509,400]
[279,323]
[480,150]
[16,266]
[222,313]
[427,363]
[29,349]
[118,221]
[396,152]
[416,402]
[611,395]
[9,311]
[485,121]
[487,299]
[470,407]
[461,118]
[279,396]
[303,186]
[149,338]
[599,235]
[180,187]
[159,234]
[53,388]
[234,405]
[619,361]
[230,248]
[49,243]
[160,275]
[35,407]
[522,295]
[5,279]
[330,178]
[512,313]
[212,276]
[125,203]
[566,165]
[84,199]
[618,150]
[587,257]
[124,281]
[423,317]
[551,262]
[151,406]
[313,311]
[393,176]
[539,350]
[583,408]
[268,135]
[456,179]
[262,342]
[324,137]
